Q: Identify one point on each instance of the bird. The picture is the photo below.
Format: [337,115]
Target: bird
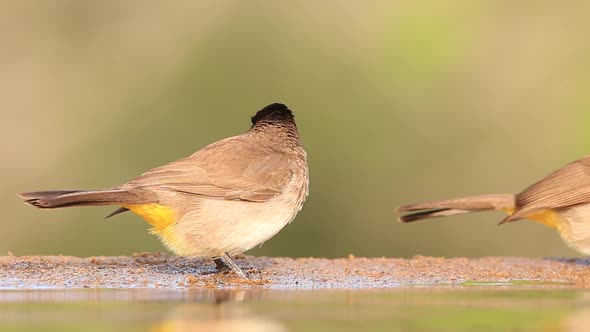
[225,199]
[560,200]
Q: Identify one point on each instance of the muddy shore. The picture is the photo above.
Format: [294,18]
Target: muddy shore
[149,270]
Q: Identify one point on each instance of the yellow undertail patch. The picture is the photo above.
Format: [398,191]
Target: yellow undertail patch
[160,217]
[549,217]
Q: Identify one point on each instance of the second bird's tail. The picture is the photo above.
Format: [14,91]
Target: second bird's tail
[449,207]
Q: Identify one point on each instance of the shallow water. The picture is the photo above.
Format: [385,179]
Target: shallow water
[472,308]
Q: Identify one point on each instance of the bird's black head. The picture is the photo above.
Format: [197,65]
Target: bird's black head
[273,113]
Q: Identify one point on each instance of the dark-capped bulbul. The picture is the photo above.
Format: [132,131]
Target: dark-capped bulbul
[561,200]
[223,200]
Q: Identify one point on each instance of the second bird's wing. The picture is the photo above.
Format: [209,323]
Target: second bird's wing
[568,186]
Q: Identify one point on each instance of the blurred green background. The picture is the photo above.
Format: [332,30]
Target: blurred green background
[397,102]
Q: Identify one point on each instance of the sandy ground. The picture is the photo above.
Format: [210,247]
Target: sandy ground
[163,271]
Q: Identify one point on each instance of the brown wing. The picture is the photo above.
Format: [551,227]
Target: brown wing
[565,187]
[230,169]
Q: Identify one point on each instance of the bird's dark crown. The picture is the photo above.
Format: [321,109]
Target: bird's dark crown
[273,112]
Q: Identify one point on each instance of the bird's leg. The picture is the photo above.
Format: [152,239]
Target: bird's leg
[225,262]
[220,265]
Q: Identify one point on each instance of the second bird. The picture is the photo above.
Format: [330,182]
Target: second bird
[223,200]
[560,200]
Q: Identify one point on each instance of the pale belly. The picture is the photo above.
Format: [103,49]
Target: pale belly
[575,230]
[220,226]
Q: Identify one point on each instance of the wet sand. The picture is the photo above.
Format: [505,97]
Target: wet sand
[149,270]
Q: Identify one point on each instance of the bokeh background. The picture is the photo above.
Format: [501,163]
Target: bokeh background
[397,101]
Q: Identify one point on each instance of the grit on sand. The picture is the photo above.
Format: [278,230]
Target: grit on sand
[149,270]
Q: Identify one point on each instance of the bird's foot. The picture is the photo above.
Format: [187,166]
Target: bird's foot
[226,264]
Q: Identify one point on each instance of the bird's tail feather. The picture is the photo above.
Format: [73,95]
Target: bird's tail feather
[65,198]
[449,207]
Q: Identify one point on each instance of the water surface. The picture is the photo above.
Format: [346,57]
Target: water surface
[472,308]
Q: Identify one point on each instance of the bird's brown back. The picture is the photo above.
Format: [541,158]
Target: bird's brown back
[255,166]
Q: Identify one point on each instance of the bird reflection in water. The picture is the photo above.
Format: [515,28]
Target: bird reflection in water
[218,310]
